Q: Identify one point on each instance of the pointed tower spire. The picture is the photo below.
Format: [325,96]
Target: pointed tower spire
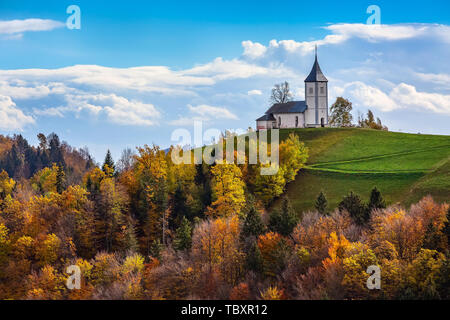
[316,74]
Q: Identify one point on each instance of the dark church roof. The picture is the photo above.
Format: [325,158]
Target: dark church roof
[316,74]
[288,107]
[266,117]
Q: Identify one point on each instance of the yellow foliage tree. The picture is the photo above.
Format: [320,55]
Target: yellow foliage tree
[228,191]
[7,185]
[293,156]
[216,244]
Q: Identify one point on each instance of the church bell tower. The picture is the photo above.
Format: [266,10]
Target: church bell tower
[316,97]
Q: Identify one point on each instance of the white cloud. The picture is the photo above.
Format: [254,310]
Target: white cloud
[439,78]
[378,32]
[254,93]
[17,27]
[19,89]
[185,121]
[345,31]
[253,49]
[402,96]
[220,69]
[212,112]
[407,96]
[117,109]
[125,112]
[151,79]
[203,113]
[365,95]
[12,118]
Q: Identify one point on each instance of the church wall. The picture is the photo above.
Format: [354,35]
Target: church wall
[288,120]
[262,125]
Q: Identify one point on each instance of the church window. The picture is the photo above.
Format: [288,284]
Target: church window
[296,121]
[279,121]
[311,90]
[322,90]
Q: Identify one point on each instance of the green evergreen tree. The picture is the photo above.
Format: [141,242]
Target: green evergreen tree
[108,162]
[60,177]
[322,204]
[183,239]
[55,150]
[254,260]
[179,208]
[355,207]
[131,242]
[156,248]
[376,200]
[253,225]
[283,221]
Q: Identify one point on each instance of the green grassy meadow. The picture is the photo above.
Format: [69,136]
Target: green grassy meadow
[404,167]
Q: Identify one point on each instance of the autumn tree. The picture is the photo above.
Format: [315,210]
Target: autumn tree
[5,246]
[293,156]
[446,227]
[126,160]
[275,252]
[216,245]
[50,179]
[228,191]
[269,187]
[370,122]
[425,274]
[341,113]
[149,190]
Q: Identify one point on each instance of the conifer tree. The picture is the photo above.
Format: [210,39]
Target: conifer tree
[183,238]
[155,249]
[253,225]
[60,177]
[108,163]
[376,200]
[283,221]
[321,204]
[254,260]
[355,207]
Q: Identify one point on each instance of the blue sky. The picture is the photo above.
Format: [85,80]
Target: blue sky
[138,70]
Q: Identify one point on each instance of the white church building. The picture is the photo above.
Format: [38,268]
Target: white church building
[311,113]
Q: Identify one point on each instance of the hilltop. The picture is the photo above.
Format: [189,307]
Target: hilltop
[405,167]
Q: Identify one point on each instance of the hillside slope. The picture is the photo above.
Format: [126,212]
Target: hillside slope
[405,167]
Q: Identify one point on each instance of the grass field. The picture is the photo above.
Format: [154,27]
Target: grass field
[405,167]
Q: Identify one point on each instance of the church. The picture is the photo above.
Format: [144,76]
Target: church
[311,113]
